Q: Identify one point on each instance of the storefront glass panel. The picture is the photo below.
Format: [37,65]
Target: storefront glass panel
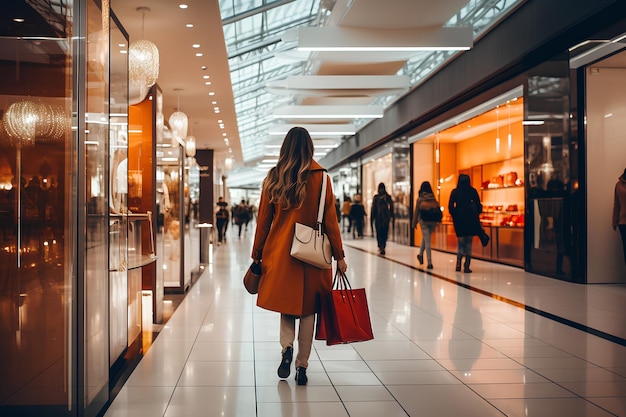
[605,114]
[401,191]
[374,172]
[118,195]
[488,146]
[96,174]
[37,218]
[547,161]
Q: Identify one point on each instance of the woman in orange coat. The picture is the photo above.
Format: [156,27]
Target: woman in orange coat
[291,194]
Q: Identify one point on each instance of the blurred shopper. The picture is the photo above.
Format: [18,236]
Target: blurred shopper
[382,216]
[427,215]
[345,214]
[290,194]
[221,219]
[357,217]
[465,207]
[242,215]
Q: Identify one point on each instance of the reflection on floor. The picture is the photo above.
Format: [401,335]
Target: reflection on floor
[496,342]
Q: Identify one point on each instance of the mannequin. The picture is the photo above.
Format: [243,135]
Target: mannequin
[619,210]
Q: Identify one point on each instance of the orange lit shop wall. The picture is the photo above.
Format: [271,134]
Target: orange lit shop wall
[141,185]
[489,148]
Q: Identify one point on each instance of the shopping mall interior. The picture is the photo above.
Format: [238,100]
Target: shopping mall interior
[126,124]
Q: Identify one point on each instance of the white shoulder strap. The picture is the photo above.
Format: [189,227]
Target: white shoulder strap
[320,209]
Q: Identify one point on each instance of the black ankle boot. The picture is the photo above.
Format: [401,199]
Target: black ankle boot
[466,266]
[285,364]
[301,378]
[458,265]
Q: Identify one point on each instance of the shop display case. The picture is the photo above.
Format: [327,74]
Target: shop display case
[501,188]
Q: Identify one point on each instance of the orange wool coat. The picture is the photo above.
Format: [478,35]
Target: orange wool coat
[288,285]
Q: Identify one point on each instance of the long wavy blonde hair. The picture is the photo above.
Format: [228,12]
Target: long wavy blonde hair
[285,183]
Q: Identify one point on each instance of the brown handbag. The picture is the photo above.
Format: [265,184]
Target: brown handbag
[252,277]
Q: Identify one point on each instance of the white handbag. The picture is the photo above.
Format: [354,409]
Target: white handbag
[312,245]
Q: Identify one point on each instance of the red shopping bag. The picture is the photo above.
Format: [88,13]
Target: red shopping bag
[345,314]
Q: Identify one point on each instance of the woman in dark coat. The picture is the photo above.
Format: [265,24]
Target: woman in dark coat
[382,216]
[465,206]
[290,194]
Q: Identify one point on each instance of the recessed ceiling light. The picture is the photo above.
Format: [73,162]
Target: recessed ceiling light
[206,77]
[203,68]
[183,6]
[211,93]
[220,121]
[207,83]
[224,134]
[196,45]
[199,54]
[18,20]
[214,102]
[121,44]
[189,25]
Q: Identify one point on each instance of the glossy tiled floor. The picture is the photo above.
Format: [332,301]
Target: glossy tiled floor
[496,342]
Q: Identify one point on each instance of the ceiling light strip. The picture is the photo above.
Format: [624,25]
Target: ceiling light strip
[339,39]
[316,129]
[328,112]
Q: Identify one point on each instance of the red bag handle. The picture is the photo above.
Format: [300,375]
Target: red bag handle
[342,284]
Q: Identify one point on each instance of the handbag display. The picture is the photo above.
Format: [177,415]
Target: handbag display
[345,316]
[252,277]
[312,245]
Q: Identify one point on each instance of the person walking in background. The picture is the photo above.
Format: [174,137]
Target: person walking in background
[357,217]
[221,219]
[242,215]
[290,194]
[464,207]
[427,214]
[345,213]
[382,216]
[619,210]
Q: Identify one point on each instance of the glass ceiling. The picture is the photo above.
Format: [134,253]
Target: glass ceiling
[253,30]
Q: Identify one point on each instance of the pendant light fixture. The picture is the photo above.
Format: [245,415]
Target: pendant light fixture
[497,130]
[178,124]
[26,120]
[509,136]
[143,59]
[190,144]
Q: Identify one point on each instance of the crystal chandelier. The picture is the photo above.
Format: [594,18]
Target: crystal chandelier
[26,120]
[178,124]
[144,63]
[143,59]
[190,146]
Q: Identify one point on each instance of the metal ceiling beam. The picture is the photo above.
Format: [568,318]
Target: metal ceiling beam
[256,10]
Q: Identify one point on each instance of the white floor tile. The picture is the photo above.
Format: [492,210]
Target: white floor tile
[434,341]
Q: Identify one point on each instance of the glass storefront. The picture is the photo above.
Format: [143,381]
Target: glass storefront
[390,166]
[375,171]
[488,145]
[38,250]
[605,116]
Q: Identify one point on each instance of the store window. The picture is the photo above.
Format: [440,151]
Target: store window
[548,169]
[376,171]
[488,145]
[605,115]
